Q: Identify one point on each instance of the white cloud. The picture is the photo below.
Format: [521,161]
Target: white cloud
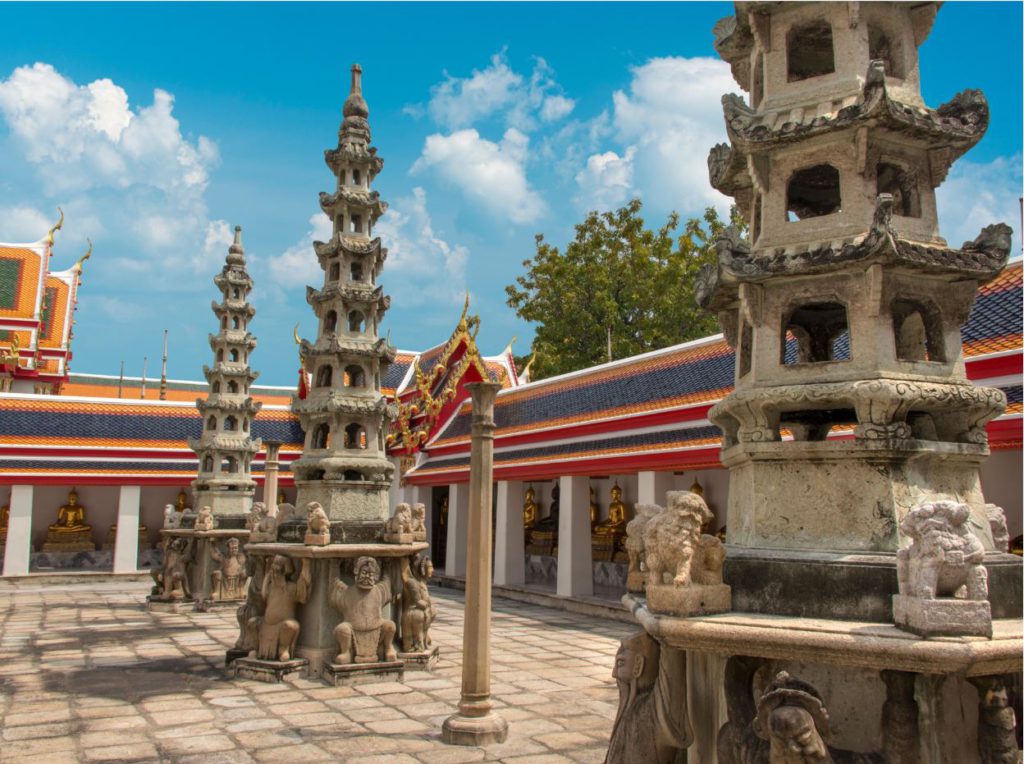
[672,116]
[22,223]
[607,180]
[461,102]
[490,174]
[976,195]
[421,265]
[297,265]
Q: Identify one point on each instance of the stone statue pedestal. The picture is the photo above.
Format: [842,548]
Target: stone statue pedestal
[70,541]
[348,674]
[943,616]
[267,671]
[461,729]
[695,599]
[420,660]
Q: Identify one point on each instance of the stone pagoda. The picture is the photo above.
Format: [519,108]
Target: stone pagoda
[853,438]
[344,466]
[339,589]
[207,545]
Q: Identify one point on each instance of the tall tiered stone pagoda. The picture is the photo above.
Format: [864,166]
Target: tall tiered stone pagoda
[226,447]
[344,466]
[857,529]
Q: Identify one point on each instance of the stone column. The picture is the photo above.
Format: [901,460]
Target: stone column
[575,561]
[651,487]
[455,556]
[126,544]
[475,723]
[19,532]
[509,542]
[270,470]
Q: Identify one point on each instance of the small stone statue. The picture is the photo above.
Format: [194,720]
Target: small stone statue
[204,520]
[171,518]
[997,723]
[636,577]
[276,630]
[673,544]
[997,524]
[171,579]
[419,522]
[228,580]
[363,636]
[398,527]
[318,527]
[418,611]
[248,638]
[652,724]
[943,582]
[262,524]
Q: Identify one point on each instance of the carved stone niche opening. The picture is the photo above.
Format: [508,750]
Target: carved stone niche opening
[902,185]
[215,388]
[230,424]
[353,475]
[207,463]
[321,436]
[335,272]
[232,387]
[357,272]
[887,48]
[330,321]
[355,321]
[813,192]
[757,88]
[755,220]
[211,423]
[324,375]
[354,376]
[746,348]
[917,331]
[815,333]
[234,356]
[816,425]
[229,465]
[355,436]
[357,223]
[809,51]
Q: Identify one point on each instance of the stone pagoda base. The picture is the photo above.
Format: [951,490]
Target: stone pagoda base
[267,671]
[348,674]
[354,503]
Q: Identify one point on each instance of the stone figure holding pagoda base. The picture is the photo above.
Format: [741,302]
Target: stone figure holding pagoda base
[943,581]
[364,636]
[276,629]
[652,724]
[170,581]
[673,545]
[228,579]
[418,611]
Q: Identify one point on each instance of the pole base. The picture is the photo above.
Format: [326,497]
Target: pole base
[474,730]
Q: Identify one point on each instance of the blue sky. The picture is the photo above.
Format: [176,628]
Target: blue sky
[158,127]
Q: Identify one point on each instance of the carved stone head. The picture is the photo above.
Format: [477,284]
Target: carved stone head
[366,573]
[792,716]
[636,662]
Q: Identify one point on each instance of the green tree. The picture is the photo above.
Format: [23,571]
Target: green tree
[617,290]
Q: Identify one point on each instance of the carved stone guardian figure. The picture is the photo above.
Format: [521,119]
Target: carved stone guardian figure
[942,579]
[276,630]
[418,611]
[204,520]
[318,527]
[171,517]
[364,636]
[398,528]
[674,545]
[652,724]
[171,579]
[228,579]
[636,576]
[262,524]
[997,723]
[419,522]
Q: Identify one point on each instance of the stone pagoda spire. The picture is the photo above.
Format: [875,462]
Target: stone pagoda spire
[226,447]
[344,466]
[851,403]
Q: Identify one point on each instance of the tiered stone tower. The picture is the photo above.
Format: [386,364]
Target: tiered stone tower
[343,465]
[856,523]
[226,447]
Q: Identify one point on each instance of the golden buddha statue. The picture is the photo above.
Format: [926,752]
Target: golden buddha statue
[530,509]
[595,512]
[606,536]
[5,520]
[543,537]
[280,498]
[181,502]
[71,517]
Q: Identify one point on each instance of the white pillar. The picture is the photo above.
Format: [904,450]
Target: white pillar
[458,507]
[126,545]
[652,487]
[575,566]
[19,532]
[509,542]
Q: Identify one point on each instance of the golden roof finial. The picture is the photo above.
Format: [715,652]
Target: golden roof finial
[298,342]
[526,369]
[57,227]
[465,309]
[78,266]
[508,347]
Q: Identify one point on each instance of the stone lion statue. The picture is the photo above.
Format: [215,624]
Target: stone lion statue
[945,558]
[672,543]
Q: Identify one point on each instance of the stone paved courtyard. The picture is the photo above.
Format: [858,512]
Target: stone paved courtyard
[86,674]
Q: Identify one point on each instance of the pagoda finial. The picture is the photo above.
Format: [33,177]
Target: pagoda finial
[355,106]
[57,226]
[236,253]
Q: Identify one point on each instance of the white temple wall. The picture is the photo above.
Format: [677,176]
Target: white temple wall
[1002,484]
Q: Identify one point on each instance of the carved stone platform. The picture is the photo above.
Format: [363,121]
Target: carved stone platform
[942,616]
[420,660]
[695,599]
[69,542]
[267,671]
[347,674]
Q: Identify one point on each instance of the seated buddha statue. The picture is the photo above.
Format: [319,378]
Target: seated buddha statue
[595,512]
[544,535]
[605,538]
[530,509]
[71,517]
[5,520]
[181,502]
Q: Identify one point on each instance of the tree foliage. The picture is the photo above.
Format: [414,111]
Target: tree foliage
[618,284]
